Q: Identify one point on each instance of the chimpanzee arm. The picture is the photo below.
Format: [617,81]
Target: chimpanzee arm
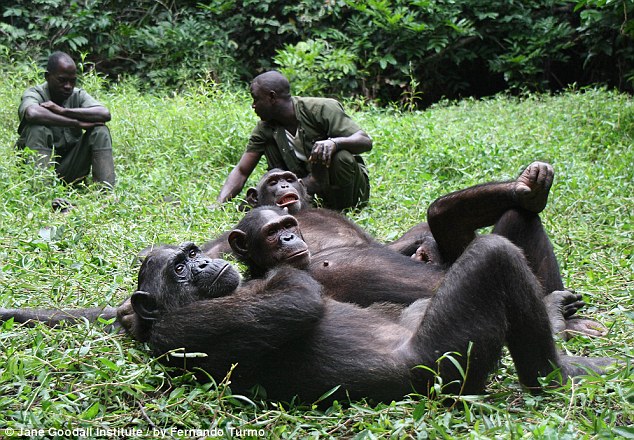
[53,317]
[410,240]
[261,316]
[217,247]
[419,244]
[132,323]
[454,218]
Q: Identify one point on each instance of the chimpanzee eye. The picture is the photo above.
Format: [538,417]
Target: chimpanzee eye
[192,253]
[179,269]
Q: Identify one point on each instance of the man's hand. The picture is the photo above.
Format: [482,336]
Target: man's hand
[533,185]
[51,106]
[61,111]
[323,151]
[85,125]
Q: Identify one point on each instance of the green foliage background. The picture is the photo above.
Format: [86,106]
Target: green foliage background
[416,51]
[172,153]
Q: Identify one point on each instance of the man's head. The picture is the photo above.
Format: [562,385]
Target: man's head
[61,76]
[270,92]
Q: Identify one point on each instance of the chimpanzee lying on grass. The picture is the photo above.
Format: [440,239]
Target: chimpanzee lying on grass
[288,337]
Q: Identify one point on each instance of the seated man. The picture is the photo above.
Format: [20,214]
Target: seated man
[312,137]
[65,125]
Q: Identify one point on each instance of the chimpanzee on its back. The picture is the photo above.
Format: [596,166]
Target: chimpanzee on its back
[336,243]
[285,335]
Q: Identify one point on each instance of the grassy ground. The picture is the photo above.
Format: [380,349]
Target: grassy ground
[172,154]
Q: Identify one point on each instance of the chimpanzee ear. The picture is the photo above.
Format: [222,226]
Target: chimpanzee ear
[301,182]
[144,305]
[238,242]
[252,197]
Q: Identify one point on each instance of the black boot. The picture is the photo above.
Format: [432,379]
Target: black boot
[103,167]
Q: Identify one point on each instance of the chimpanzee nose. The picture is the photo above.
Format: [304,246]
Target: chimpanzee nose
[288,237]
[202,264]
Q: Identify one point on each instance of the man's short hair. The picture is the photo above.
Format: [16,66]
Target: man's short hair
[274,80]
[55,59]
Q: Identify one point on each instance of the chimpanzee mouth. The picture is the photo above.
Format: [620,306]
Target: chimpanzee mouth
[287,199]
[221,272]
[299,259]
[224,283]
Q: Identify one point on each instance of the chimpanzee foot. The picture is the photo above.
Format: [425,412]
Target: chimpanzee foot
[575,366]
[560,305]
[533,185]
[588,327]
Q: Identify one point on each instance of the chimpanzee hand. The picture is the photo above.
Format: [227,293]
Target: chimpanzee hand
[533,185]
[317,181]
[428,252]
[132,323]
[323,151]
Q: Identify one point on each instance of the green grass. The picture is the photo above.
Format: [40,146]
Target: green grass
[172,153]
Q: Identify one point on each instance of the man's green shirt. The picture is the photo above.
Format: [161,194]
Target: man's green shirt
[39,94]
[319,119]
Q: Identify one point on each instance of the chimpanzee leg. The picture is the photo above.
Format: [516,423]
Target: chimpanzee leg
[489,297]
[525,230]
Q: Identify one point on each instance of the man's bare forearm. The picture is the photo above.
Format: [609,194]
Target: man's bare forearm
[86,114]
[356,143]
[232,187]
[43,116]
[90,114]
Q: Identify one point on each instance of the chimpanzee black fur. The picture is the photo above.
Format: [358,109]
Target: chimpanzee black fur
[354,267]
[286,336]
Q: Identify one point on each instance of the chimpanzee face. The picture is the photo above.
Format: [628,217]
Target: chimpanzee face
[173,276]
[267,237]
[280,188]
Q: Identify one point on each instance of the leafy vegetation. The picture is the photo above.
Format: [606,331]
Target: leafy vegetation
[418,51]
[172,154]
